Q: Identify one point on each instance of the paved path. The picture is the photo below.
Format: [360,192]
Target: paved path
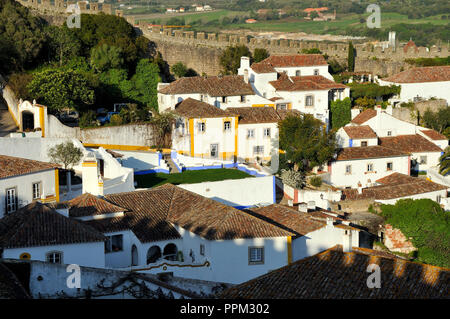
[7,124]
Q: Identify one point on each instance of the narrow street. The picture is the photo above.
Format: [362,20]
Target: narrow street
[7,124]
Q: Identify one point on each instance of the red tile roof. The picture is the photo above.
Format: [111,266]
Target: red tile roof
[228,85]
[421,75]
[358,132]
[304,83]
[288,218]
[394,186]
[90,205]
[192,108]
[364,116]
[436,136]
[295,60]
[409,143]
[250,115]
[410,44]
[153,214]
[39,225]
[334,274]
[13,166]
[262,67]
[376,151]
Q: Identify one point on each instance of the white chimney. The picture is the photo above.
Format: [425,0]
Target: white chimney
[303,207]
[91,182]
[312,205]
[329,221]
[290,202]
[347,241]
[245,62]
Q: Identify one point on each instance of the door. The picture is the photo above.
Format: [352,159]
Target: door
[214,150]
[134,256]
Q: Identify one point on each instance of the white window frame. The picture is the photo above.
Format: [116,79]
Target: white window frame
[423,160]
[348,169]
[252,131]
[312,101]
[316,71]
[266,132]
[109,245]
[227,126]
[258,149]
[392,166]
[366,142]
[298,73]
[50,257]
[11,200]
[36,194]
[371,167]
[255,255]
[201,127]
[202,250]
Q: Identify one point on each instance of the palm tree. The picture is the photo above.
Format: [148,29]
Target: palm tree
[444,162]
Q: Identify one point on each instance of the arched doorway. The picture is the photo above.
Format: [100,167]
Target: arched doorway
[170,252]
[134,256]
[27,121]
[153,254]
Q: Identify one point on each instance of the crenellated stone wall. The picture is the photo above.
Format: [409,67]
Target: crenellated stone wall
[60,6]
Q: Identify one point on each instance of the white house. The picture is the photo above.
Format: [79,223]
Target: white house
[300,82]
[203,130]
[257,134]
[356,167]
[38,232]
[354,136]
[169,229]
[390,189]
[220,91]
[421,83]
[23,181]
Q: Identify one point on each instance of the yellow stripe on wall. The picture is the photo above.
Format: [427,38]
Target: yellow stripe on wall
[191,131]
[236,121]
[42,120]
[289,249]
[57,184]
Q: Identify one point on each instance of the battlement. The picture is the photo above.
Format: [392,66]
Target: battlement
[60,6]
[287,46]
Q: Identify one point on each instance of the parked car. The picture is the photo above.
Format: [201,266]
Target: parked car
[106,118]
[71,116]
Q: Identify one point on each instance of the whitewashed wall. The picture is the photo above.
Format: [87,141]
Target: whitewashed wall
[359,173]
[435,196]
[83,254]
[245,192]
[24,187]
[246,145]
[424,90]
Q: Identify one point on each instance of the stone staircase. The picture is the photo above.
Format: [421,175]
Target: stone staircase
[172,167]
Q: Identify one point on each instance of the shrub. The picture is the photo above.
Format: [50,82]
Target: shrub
[116,119]
[315,181]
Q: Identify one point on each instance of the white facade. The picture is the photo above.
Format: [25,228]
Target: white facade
[83,254]
[22,186]
[257,140]
[344,140]
[359,170]
[425,90]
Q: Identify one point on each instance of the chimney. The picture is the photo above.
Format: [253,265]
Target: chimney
[245,62]
[90,175]
[347,241]
[329,221]
[290,202]
[303,207]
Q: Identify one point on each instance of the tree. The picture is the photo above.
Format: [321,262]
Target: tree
[62,43]
[295,179]
[66,154]
[60,89]
[105,57]
[444,162]
[311,51]
[351,57]
[163,122]
[260,54]
[230,59]
[19,84]
[439,120]
[313,15]
[340,113]
[145,82]
[306,142]
[179,69]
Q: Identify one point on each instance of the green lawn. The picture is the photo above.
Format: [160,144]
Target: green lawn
[189,177]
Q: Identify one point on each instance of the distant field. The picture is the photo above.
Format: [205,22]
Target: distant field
[290,24]
[189,177]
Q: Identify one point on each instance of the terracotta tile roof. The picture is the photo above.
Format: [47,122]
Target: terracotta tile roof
[410,44]
[420,75]
[436,136]
[334,274]
[304,83]
[153,214]
[10,286]
[394,186]
[295,60]
[13,166]
[376,151]
[90,205]
[262,67]
[364,116]
[38,225]
[358,132]
[250,115]
[288,218]
[192,108]
[409,143]
[228,85]
[284,113]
